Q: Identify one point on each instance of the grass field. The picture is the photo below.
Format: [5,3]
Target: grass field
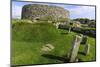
[28,39]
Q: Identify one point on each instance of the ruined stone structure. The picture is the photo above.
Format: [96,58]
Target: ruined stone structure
[44,12]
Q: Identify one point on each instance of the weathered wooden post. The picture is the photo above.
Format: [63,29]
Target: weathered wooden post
[71,24]
[69,30]
[86,45]
[86,49]
[75,48]
[84,40]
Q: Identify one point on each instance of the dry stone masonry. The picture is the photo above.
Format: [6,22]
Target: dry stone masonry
[44,12]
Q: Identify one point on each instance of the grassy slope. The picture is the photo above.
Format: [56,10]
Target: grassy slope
[28,39]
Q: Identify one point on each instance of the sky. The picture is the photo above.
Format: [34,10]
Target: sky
[76,11]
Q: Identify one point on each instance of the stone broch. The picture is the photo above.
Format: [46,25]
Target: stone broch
[37,11]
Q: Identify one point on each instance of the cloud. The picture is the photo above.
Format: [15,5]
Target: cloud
[82,12]
[79,11]
[16,11]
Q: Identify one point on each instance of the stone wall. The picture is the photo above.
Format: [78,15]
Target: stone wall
[44,12]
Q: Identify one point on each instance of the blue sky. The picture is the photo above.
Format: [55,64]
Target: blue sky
[76,11]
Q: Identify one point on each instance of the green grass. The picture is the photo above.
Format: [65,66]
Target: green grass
[92,54]
[28,39]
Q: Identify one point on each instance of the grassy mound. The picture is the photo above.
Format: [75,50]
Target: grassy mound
[38,32]
[29,38]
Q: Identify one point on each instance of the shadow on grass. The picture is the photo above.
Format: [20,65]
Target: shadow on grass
[64,60]
[64,33]
[82,53]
